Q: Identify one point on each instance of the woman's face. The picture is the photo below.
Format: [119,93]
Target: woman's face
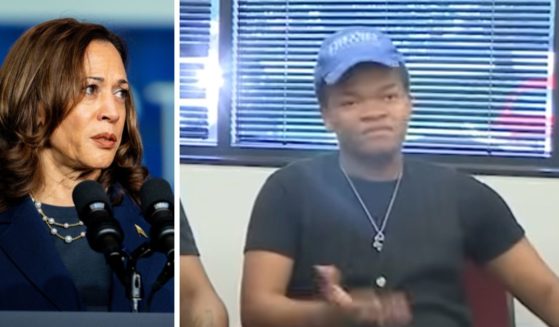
[91,133]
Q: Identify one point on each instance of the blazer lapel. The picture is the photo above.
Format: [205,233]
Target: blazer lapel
[31,248]
[135,228]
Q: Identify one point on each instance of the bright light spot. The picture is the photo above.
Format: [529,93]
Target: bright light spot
[214,27]
[210,77]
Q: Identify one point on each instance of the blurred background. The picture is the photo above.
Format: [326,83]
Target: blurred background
[147,27]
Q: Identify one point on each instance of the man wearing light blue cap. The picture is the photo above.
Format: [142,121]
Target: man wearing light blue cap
[367,237]
[353,46]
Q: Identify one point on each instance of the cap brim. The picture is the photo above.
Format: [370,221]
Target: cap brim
[334,76]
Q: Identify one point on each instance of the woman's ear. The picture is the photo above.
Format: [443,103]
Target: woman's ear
[41,119]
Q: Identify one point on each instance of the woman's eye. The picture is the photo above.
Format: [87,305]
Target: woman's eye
[122,93]
[91,89]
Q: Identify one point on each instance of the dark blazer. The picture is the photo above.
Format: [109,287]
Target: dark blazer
[33,276]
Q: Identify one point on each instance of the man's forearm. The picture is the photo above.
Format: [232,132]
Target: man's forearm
[549,311]
[280,311]
[208,312]
[200,319]
[542,300]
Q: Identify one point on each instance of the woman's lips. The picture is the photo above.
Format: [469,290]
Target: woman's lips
[105,140]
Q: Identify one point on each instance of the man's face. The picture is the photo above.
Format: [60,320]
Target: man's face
[368,109]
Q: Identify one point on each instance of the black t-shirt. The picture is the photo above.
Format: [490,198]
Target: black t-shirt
[89,271]
[308,212]
[188,245]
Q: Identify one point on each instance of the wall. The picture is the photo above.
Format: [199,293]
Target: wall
[219,199]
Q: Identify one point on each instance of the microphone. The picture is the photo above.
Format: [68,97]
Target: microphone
[103,232]
[158,209]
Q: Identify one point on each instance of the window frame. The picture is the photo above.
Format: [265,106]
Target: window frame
[225,154]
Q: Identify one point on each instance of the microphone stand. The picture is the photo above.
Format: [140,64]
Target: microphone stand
[134,286]
[166,273]
[130,277]
[133,282]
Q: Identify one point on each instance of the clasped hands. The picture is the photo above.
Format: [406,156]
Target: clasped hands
[363,307]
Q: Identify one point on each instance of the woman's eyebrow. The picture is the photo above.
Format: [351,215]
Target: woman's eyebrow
[101,79]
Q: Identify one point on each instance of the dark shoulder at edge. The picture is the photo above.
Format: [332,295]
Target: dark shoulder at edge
[437,172]
[304,167]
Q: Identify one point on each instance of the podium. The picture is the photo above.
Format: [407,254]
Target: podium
[84,319]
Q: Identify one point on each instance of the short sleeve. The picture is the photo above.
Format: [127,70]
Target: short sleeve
[272,225]
[187,243]
[491,228]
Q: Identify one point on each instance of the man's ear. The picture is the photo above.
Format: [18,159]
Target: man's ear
[326,119]
[410,100]
[328,126]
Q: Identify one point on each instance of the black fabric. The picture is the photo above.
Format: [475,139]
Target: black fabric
[381,192]
[35,277]
[187,242]
[89,271]
[308,212]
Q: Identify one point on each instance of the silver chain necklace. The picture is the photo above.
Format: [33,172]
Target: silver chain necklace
[378,240]
[52,224]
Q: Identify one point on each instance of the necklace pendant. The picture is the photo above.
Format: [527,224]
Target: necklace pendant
[381,281]
[378,241]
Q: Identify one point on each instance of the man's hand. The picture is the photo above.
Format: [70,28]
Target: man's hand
[363,307]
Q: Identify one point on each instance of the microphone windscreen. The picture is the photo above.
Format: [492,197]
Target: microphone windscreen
[153,191]
[86,193]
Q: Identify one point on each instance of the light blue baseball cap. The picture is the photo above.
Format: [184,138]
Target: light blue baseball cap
[344,49]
